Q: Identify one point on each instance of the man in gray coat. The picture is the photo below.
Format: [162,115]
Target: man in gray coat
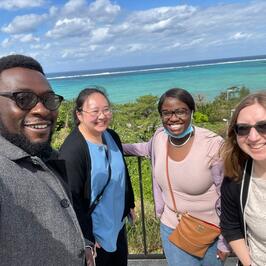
[38,225]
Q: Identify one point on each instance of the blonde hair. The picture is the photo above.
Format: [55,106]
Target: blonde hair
[234,158]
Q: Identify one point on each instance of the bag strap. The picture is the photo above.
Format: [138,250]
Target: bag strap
[100,195]
[178,214]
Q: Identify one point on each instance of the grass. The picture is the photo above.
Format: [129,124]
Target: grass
[152,224]
[135,233]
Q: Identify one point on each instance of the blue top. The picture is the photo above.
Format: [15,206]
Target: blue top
[107,216]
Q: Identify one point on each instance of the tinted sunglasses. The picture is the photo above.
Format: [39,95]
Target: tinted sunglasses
[26,100]
[244,129]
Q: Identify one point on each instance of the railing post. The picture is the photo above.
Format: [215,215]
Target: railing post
[142,207]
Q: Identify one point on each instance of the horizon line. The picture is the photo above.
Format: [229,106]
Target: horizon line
[184,64]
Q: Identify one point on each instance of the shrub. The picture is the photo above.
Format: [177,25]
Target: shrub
[200,117]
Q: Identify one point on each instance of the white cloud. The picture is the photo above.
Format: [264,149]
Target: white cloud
[23,24]
[194,42]
[134,47]
[174,45]
[110,49]
[99,35]
[76,53]
[5,43]
[26,38]
[215,43]
[98,11]
[74,6]
[53,11]
[18,4]
[79,19]
[241,35]
[104,8]
[70,28]
[19,38]
[154,24]
[162,13]
[121,28]
[41,46]
[158,26]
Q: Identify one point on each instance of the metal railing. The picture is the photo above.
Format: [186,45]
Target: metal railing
[145,254]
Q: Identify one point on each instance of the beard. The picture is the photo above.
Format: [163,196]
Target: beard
[41,149]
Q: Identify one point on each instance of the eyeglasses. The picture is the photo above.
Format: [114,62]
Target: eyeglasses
[244,129]
[179,113]
[26,100]
[96,113]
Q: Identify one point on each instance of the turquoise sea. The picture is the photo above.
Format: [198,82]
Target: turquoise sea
[207,78]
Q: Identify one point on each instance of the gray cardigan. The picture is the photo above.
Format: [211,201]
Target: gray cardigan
[38,225]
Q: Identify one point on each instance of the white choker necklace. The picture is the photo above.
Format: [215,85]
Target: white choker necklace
[182,144]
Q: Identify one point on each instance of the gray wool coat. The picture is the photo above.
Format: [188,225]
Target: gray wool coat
[38,225]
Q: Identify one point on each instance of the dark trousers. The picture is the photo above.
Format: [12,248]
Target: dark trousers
[117,258]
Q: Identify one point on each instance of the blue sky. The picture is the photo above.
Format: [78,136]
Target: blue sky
[82,34]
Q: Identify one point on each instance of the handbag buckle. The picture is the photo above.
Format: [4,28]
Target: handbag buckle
[179,216]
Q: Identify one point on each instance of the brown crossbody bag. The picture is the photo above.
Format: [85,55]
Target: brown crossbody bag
[191,234]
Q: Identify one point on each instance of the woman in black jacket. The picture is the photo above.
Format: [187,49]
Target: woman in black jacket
[98,178]
[243,191]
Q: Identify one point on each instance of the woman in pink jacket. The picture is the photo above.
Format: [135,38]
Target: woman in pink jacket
[190,154]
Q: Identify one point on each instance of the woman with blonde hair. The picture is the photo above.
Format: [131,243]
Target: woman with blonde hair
[243,190]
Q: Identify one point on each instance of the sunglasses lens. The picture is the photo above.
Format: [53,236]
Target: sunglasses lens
[52,101]
[261,127]
[26,100]
[242,130]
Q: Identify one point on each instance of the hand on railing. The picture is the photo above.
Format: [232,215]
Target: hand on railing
[132,216]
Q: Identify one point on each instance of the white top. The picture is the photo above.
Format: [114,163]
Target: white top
[255,214]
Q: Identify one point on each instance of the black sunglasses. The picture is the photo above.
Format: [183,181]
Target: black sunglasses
[244,129]
[26,100]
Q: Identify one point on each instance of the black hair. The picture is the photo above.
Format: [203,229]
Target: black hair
[82,97]
[18,60]
[180,94]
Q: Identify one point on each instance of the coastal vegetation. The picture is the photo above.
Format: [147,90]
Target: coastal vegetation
[136,122]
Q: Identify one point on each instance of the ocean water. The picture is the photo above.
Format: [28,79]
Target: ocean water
[207,78]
